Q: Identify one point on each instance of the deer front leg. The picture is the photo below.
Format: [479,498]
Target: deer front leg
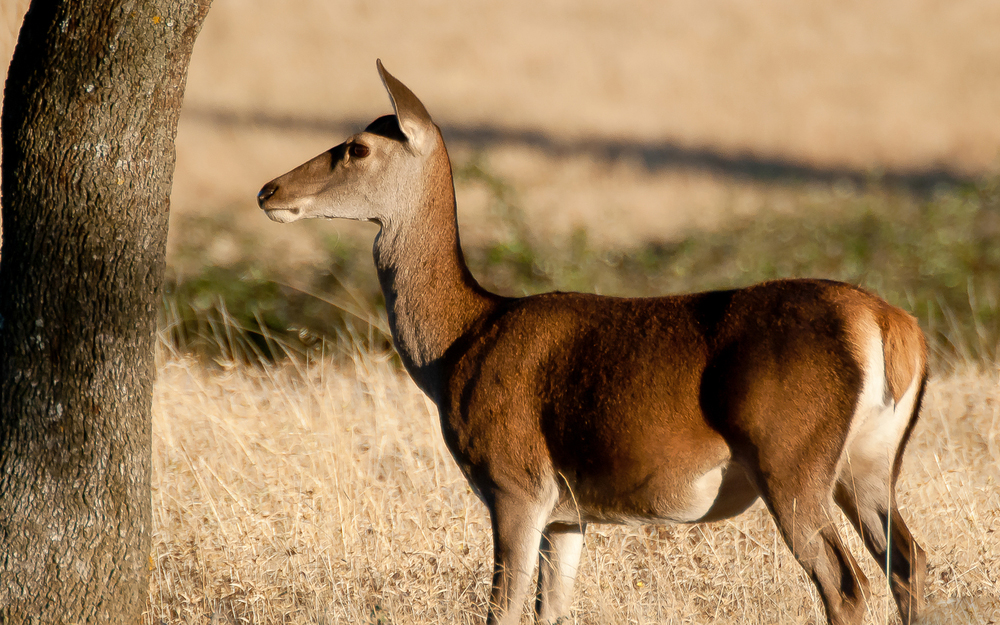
[558,561]
[518,521]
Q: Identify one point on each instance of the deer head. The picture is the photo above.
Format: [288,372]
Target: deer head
[373,176]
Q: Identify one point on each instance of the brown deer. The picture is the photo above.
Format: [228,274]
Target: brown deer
[563,409]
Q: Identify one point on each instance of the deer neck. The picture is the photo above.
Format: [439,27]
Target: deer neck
[431,298]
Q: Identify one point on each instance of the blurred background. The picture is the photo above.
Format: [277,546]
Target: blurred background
[666,146]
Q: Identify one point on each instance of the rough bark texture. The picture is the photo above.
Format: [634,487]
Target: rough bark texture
[89,120]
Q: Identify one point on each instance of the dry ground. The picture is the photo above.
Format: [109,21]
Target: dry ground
[323,493]
[896,84]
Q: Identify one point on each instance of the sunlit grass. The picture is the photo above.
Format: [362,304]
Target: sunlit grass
[320,491]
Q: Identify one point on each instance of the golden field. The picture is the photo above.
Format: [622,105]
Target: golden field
[898,85]
[322,492]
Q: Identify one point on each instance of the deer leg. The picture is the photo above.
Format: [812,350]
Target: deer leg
[558,561]
[866,492]
[908,567]
[806,524]
[518,522]
[864,498]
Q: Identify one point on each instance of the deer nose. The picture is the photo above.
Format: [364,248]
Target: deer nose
[268,190]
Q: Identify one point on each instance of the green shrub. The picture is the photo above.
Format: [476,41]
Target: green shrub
[936,256]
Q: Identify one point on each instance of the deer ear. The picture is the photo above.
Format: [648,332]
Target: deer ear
[413,118]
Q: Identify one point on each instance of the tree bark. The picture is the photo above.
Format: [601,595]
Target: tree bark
[89,119]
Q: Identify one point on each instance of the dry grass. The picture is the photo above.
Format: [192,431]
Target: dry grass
[323,493]
[896,83]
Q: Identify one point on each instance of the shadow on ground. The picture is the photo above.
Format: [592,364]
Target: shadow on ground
[654,155]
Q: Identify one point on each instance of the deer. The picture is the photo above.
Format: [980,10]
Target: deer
[564,409]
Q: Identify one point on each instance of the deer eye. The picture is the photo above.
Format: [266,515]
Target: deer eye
[356,150]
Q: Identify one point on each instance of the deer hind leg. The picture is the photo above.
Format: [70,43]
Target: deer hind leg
[906,566]
[518,521]
[865,491]
[790,446]
[558,561]
[806,524]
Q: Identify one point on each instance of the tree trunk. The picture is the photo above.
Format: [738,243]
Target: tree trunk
[89,120]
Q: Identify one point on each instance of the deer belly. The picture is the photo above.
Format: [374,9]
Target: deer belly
[717,491]
[701,496]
